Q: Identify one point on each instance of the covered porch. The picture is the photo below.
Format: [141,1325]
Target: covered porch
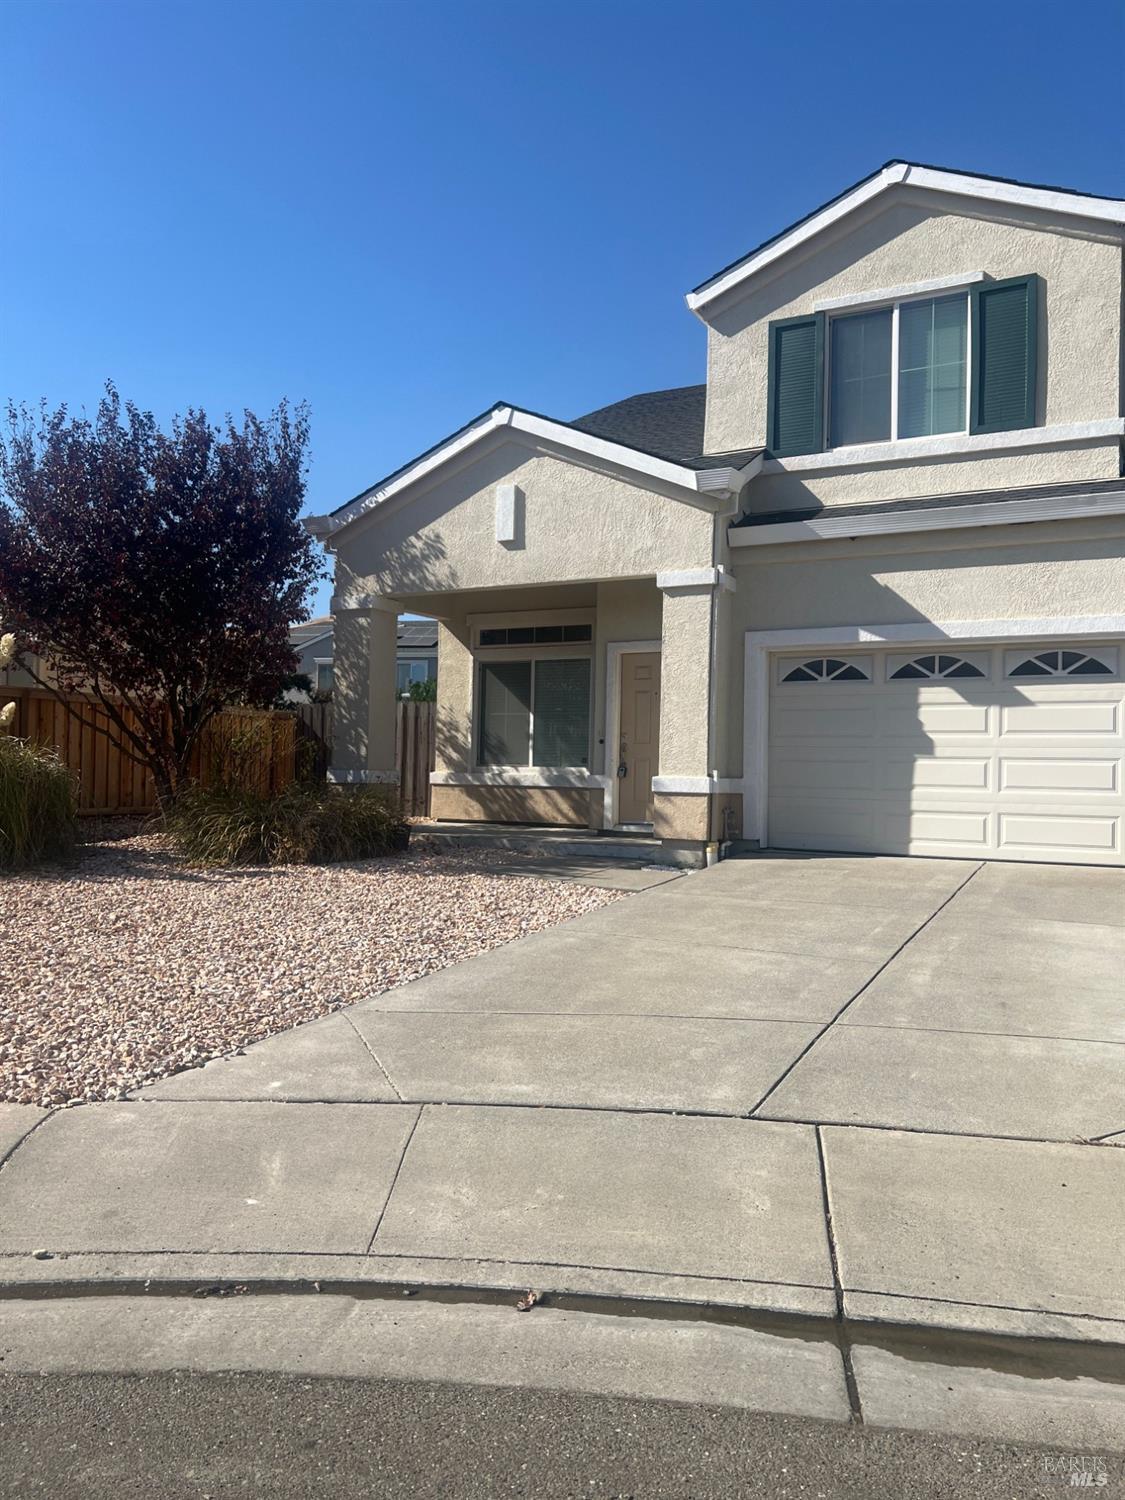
[576,706]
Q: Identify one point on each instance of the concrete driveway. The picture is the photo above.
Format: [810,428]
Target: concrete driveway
[931,995]
[838,1087]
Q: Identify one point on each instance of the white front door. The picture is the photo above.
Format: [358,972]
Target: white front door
[1014,751]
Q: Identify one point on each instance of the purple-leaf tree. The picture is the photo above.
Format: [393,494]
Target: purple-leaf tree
[157,572]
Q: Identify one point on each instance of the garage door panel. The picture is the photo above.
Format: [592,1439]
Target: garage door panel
[841,720]
[968,830]
[808,825]
[1068,719]
[828,772]
[1059,833]
[937,720]
[1027,769]
[939,773]
[1067,775]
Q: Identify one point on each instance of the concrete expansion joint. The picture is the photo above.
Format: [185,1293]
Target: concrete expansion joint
[394,1179]
[374,1057]
[854,1402]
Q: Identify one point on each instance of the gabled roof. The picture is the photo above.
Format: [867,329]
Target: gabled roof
[997,190]
[706,475]
[668,424]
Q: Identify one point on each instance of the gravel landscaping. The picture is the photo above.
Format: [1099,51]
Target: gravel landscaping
[128,964]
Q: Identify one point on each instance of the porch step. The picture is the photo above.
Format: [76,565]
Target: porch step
[572,843]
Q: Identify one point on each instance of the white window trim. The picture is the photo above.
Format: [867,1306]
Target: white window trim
[579,651]
[614,651]
[863,301]
[895,307]
[760,645]
[944,445]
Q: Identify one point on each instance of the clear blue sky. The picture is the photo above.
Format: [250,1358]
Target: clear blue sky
[404,212]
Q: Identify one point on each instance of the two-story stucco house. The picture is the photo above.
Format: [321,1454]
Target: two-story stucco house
[862,591]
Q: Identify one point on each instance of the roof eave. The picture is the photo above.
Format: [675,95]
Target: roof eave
[699,487]
[935,179]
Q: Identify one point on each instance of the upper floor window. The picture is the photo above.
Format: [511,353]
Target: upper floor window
[898,372]
[965,362]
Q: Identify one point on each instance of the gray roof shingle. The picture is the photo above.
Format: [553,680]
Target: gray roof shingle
[667,424]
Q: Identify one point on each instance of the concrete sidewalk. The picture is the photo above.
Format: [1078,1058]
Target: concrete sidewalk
[850,1090]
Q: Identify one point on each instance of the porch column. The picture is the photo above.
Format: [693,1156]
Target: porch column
[683,786]
[364,698]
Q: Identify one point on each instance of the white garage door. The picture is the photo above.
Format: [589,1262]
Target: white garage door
[1009,752]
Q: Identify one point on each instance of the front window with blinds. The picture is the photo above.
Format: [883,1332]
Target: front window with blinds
[966,361]
[534,713]
[899,372]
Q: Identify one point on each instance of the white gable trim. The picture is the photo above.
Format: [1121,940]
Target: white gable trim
[707,488]
[1000,194]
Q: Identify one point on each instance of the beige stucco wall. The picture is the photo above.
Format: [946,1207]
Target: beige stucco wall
[685,677]
[916,237]
[1049,570]
[577,523]
[569,807]
[363,690]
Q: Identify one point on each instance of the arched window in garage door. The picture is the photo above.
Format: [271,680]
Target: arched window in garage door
[936,667]
[1062,663]
[827,669]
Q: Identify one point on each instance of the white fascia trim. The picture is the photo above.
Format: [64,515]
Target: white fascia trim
[900,293]
[692,786]
[602,448]
[1010,194]
[542,429]
[562,776]
[761,643]
[945,518]
[954,444]
[695,578]
[346,776]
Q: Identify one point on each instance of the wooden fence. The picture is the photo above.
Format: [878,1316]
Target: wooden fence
[262,744]
[414,752]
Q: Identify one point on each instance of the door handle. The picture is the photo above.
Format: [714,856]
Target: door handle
[622,770]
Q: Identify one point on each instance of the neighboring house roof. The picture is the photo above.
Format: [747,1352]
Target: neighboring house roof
[413,635]
[310,630]
[710,475]
[995,190]
[417,634]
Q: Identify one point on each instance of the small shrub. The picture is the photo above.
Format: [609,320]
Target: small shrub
[303,825]
[38,804]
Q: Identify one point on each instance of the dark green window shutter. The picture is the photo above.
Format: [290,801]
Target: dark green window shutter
[795,416]
[1005,354]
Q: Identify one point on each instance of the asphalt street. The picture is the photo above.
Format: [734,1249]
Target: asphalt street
[203,1437]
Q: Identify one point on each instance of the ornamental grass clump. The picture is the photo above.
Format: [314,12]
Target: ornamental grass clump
[303,825]
[38,804]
